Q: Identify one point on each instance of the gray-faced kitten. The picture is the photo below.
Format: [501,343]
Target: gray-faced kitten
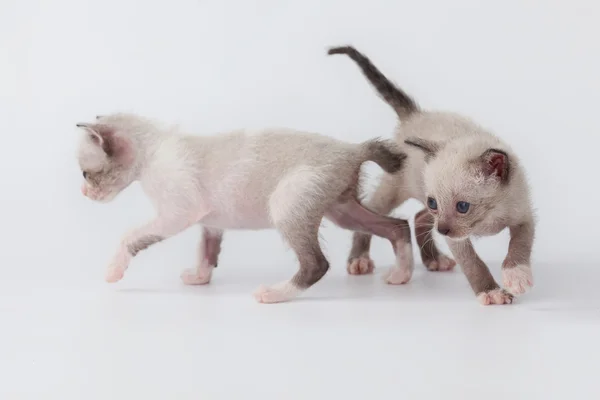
[471,182]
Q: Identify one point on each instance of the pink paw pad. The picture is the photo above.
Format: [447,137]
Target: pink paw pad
[443,263]
[114,275]
[496,296]
[517,280]
[398,276]
[361,266]
[196,276]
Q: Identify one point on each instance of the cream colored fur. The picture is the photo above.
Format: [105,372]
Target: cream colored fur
[275,178]
[452,160]
[454,175]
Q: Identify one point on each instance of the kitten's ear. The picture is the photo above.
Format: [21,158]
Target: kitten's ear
[99,134]
[93,132]
[495,163]
[428,147]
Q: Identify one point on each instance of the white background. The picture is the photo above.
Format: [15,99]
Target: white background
[525,69]
[528,70]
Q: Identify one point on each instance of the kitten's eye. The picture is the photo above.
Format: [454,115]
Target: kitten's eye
[462,207]
[85,175]
[431,203]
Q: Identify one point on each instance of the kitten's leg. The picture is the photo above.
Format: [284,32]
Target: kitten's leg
[481,280]
[303,237]
[352,215]
[140,239]
[387,196]
[516,268]
[433,259]
[208,257]
[296,208]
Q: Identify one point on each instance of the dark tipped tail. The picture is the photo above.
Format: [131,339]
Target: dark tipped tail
[402,103]
[385,153]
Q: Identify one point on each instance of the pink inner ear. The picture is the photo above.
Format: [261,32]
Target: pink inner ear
[497,165]
[96,138]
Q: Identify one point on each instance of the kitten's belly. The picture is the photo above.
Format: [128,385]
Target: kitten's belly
[238,219]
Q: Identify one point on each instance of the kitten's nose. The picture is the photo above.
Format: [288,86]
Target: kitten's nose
[443,229]
[84,190]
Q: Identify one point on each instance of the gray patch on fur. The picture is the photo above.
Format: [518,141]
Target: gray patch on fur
[143,244]
[401,102]
[305,243]
[361,244]
[211,242]
[386,154]
[429,148]
[313,266]
[477,273]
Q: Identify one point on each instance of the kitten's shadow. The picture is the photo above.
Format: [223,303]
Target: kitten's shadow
[140,290]
[336,287]
[554,289]
[241,292]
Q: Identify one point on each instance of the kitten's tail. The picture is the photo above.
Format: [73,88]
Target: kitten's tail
[385,153]
[402,103]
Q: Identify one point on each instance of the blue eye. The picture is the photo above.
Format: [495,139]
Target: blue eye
[431,203]
[462,207]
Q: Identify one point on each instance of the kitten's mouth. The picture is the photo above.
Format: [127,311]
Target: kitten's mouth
[448,232]
[100,198]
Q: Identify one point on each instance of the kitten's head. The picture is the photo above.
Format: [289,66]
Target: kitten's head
[106,157]
[465,182]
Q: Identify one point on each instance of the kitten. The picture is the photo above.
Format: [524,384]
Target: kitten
[280,179]
[471,182]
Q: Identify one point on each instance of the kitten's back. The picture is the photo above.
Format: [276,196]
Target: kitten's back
[438,126]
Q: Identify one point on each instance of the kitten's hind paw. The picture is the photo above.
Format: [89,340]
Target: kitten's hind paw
[196,276]
[495,296]
[398,276]
[279,293]
[362,265]
[442,263]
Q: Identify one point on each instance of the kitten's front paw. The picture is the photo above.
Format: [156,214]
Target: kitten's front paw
[442,263]
[362,265]
[114,274]
[517,280]
[398,276]
[196,276]
[496,296]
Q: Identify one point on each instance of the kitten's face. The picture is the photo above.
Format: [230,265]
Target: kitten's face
[106,162]
[459,198]
[462,191]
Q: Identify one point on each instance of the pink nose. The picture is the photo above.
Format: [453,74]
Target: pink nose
[84,190]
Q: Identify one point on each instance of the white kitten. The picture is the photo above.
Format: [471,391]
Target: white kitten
[471,182]
[279,179]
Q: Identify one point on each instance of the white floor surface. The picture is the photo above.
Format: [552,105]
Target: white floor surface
[348,337]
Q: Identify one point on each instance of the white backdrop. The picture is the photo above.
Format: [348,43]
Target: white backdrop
[525,69]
